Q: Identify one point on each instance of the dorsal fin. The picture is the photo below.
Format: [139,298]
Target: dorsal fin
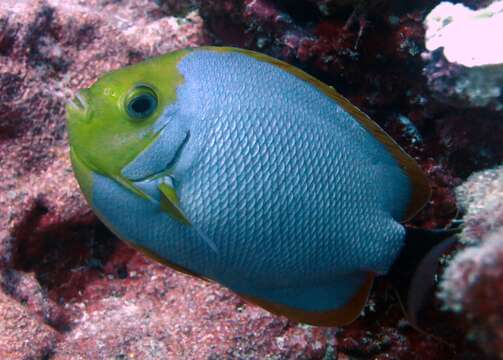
[421,190]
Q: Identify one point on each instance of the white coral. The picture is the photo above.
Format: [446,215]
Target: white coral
[468,37]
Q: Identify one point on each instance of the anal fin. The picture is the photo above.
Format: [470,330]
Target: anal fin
[333,317]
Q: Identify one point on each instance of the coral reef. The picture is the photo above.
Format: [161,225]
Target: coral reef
[472,283]
[69,289]
[481,198]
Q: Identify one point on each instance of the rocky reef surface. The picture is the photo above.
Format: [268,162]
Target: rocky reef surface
[471,285]
[70,290]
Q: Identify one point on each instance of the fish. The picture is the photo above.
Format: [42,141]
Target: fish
[238,168]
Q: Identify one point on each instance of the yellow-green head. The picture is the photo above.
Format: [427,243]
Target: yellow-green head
[111,122]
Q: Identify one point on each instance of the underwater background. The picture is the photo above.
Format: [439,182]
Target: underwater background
[430,73]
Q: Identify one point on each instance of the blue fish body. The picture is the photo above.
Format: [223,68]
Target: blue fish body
[293,202]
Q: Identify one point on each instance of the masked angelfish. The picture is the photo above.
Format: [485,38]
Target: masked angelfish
[239,168]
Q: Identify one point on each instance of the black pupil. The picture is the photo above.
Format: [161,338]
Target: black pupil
[142,104]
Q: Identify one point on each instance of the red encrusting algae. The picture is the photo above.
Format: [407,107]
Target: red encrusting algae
[71,287]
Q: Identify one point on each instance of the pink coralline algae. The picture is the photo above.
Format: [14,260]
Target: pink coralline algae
[473,282]
[70,290]
[23,336]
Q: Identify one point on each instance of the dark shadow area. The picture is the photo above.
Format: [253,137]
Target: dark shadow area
[301,11]
[64,257]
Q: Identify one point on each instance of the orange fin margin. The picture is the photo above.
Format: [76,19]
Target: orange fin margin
[336,317]
[421,190]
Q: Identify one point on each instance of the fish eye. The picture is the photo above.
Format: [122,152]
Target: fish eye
[141,102]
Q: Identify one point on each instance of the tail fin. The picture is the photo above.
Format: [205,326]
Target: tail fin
[413,273]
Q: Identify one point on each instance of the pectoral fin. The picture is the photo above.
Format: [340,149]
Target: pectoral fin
[171,205]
